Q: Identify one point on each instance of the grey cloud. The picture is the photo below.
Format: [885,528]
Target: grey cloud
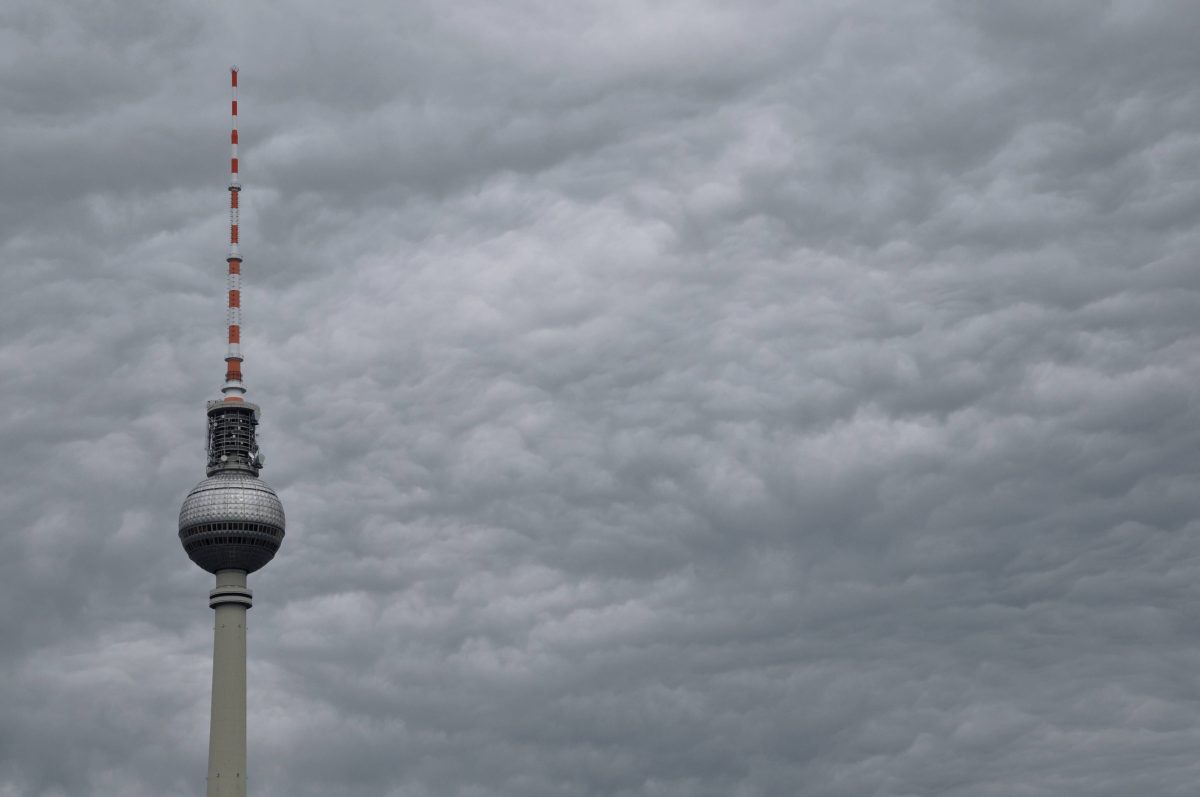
[666,400]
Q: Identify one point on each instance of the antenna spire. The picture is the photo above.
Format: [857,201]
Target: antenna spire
[233,387]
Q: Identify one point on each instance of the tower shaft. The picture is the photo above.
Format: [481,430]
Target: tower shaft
[227,734]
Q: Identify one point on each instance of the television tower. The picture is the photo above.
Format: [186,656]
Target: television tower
[231,524]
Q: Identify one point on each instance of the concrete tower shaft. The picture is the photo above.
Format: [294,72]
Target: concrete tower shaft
[227,729]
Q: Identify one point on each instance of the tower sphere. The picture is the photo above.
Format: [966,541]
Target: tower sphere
[231,521]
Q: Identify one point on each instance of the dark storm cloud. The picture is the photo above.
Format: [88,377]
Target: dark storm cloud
[677,399]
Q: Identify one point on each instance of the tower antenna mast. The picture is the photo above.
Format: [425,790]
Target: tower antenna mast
[234,389]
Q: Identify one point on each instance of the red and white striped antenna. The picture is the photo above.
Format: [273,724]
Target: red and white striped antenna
[233,387]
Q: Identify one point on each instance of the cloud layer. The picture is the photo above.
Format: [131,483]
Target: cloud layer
[667,398]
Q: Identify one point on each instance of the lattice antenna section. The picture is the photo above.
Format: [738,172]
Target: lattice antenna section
[232,438]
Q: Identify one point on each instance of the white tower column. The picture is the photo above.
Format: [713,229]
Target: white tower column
[227,733]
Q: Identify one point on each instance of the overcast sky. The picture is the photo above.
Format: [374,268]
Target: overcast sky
[683,399]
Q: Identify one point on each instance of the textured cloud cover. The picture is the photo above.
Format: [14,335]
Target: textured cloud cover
[667,398]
